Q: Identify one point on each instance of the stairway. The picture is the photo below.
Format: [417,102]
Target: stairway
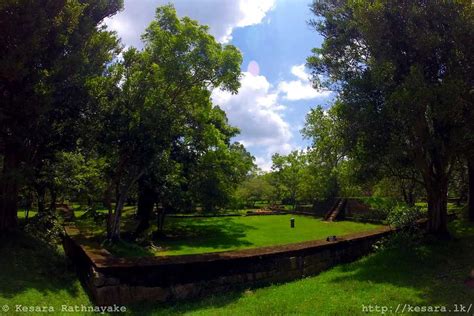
[335,210]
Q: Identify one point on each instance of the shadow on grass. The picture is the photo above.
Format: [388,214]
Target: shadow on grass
[217,233]
[438,269]
[27,264]
[179,308]
[201,234]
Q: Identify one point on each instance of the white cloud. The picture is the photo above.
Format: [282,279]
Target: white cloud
[256,111]
[263,163]
[300,89]
[222,16]
[299,71]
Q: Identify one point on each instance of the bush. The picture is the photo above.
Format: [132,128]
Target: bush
[236,203]
[382,205]
[404,217]
[45,227]
[409,234]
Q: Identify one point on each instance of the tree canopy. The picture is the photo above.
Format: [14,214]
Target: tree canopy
[404,73]
[44,67]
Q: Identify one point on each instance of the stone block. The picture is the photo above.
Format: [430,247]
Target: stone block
[107,295]
[183,291]
[155,294]
[112,281]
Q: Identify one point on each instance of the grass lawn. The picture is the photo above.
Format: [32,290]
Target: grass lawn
[31,214]
[202,235]
[431,274]
[33,274]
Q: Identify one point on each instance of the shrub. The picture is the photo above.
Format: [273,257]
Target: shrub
[404,217]
[45,227]
[409,234]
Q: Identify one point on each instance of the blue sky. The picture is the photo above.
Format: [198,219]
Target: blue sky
[275,40]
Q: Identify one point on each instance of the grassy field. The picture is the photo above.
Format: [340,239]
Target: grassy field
[430,274]
[203,235]
[34,274]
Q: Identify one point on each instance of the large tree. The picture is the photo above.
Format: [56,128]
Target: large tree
[156,102]
[404,72]
[49,49]
[328,149]
[288,174]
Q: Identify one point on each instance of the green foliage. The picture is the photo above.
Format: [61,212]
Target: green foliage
[44,68]
[255,188]
[218,174]
[46,228]
[157,119]
[402,70]
[324,129]
[386,205]
[332,171]
[79,178]
[213,234]
[405,217]
[291,177]
[410,234]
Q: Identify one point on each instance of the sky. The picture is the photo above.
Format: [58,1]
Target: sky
[275,40]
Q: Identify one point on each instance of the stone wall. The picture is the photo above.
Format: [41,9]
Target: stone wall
[352,209]
[112,280]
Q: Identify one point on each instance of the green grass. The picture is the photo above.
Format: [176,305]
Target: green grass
[31,214]
[432,274]
[22,214]
[452,207]
[34,274]
[203,235]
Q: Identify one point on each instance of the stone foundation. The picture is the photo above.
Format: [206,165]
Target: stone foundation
[112,280]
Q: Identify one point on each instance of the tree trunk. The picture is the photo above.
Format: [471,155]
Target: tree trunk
[437,190]
[107,202]
[161,213]
[9,190]
[408,192]
[470,204]
[113,233]
[41,195]
[52,205]
[146,201]
[107,198]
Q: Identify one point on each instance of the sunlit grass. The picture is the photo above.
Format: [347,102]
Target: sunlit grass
[192,235]
[431,274]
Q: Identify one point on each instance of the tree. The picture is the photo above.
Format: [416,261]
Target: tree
[255,188]
[203,171]
[78,177]
[220,170]
[404,73]
[324,129]
[471,190]
[287,173]
[343,175]
[49,49]
[153,101]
